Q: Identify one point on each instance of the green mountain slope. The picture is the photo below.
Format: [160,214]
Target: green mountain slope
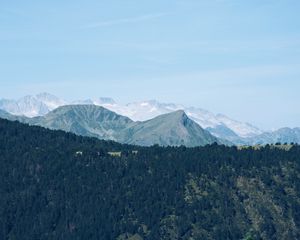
[57,185]
[172,129]
[85,120]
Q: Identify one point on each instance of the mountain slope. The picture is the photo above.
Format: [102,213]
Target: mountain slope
[85,120]
[89,120]
[56,185]
[172,129]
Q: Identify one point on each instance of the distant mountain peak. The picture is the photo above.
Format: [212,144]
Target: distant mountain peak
[105,100]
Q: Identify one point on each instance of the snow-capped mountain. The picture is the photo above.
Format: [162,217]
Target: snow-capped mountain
[32,106]
[28,106]
[145,110]
[52,102]
[244,130]
[219,125]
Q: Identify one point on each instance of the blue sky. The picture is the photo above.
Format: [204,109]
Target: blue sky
[240,58]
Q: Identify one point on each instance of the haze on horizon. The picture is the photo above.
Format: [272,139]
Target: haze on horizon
[238,58]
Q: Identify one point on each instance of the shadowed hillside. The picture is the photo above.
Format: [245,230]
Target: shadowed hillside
[56,185]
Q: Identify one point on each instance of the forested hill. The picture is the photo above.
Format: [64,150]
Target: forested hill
[56,185]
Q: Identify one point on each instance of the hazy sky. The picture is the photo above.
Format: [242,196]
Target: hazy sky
[240,58]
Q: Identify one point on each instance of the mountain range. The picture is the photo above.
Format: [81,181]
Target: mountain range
[282,135]
[171,129]
[44,109]
[41,104]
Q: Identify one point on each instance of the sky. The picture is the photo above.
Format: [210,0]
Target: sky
[240,58]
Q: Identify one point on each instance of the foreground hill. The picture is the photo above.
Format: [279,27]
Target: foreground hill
[56,185]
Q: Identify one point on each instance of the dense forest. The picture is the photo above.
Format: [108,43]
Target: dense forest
[56,185]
